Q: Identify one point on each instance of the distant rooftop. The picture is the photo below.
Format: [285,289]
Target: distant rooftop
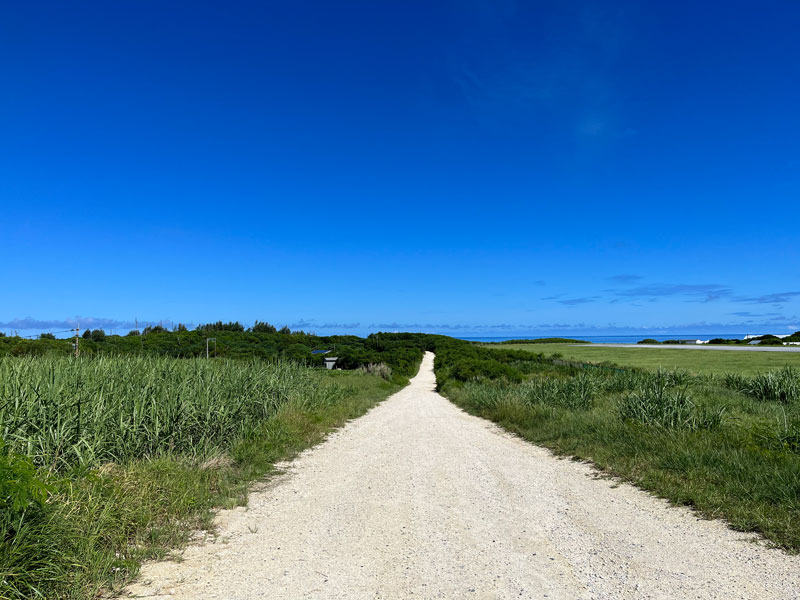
[320,351]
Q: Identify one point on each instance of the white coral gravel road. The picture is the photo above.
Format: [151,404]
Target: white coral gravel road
[418,499]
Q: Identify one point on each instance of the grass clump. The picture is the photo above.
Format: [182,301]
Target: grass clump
[658,402]
[380,369]
[775,386]
[576,393]
[783,436]
[655,404]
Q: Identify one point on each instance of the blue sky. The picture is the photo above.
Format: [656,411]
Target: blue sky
[490,167]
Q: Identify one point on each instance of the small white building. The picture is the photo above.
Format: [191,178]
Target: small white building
[330,361]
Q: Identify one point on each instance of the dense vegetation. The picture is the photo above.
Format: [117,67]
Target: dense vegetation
[401,352]
[63,413]
[108,460]
[727,445]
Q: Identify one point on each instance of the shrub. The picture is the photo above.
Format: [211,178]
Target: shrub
[382,370]
[298,352]
[648,341]
[25,549]
[470,369]
[20,489]
[27,349]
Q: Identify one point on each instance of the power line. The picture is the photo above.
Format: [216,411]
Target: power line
[38,335]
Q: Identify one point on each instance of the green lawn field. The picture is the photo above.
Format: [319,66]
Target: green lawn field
[692,359]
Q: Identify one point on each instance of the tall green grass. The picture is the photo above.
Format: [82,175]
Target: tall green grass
[662,399]
[62,412]
[111,461]
[773,386]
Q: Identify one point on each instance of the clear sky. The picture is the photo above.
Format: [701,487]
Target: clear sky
[483,166]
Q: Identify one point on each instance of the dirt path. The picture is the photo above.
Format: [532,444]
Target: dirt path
[419,500]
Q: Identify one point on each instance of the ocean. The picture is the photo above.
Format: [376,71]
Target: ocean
[614,339]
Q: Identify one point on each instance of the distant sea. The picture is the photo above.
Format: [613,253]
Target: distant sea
[615,339]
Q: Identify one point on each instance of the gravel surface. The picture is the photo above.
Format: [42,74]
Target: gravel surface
[417,499]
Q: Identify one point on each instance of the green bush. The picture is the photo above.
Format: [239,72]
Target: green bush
[20,489]
[470,369]
[26,543]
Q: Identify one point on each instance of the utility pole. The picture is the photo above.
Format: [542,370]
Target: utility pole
[215,346]
[77,331]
